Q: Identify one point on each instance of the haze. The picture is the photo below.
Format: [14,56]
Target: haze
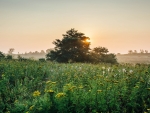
[32,25]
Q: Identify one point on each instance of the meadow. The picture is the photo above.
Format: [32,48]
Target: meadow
[50,87]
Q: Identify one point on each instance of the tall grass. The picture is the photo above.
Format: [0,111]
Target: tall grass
[43,87]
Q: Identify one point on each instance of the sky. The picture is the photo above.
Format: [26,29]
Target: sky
[32,25]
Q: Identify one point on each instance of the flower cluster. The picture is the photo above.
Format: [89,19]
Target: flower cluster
[60,95]
[36,93]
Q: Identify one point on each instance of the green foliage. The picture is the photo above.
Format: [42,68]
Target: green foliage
[42,59]
[74,46]
[2,56]
[43,87]
[9,57]
[100,55]
[22,58]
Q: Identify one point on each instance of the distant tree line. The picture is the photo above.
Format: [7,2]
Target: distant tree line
[135,51]
[75,47]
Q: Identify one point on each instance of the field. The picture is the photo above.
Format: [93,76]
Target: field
[44,87]
[134,58]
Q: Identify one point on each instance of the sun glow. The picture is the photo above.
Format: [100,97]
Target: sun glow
[87,40]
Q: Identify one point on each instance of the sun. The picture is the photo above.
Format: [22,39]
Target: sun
[87,40]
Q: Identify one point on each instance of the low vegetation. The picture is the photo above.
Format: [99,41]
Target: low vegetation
[43,87]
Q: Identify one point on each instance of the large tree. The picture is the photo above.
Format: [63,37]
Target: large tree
[74,47]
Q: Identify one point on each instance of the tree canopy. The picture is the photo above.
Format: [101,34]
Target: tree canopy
[75,47]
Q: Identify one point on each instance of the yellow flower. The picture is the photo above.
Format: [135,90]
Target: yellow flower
[116,82]
[53,82]
[16,101]
[60,95]
[99,91]
[101,84]
[80,87]
[36,93]
[50,91]
[31,107]
[48,82]
[148,88]
[3,75]
[8,112]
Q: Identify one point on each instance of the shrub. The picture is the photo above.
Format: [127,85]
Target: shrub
[9,57]
[42,59]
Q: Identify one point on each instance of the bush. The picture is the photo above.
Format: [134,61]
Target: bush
[9,57]
[42,59]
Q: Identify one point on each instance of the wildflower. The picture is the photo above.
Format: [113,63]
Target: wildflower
[53,82]
[60,95]
[148,109]
[103,72]
[8,112]
[99,91]
[103,67]
[16,101]
[36,93]
[116,81]
[136,87]
[50,91]
[119,70]
[3,75]
[123,70]
[48,82]
[80,87]
[31,107]
[108,69]
[148,88]
[101,84]
[80,68]
[131,71]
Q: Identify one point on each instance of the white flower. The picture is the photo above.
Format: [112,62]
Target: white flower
[115,75]
[103,72]
[123,70]
[131,71]
[103,67]
[108,69]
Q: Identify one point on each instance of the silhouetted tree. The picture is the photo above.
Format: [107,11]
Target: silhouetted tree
[130,52]
[135,51]
[100,50]
[100,54]
[141,51]
[74,46]
[11,50]
[42,52]
[146,51]
[48,50]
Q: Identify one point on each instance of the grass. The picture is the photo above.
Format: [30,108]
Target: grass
[43,87]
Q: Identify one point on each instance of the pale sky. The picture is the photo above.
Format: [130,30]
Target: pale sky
[32,25]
